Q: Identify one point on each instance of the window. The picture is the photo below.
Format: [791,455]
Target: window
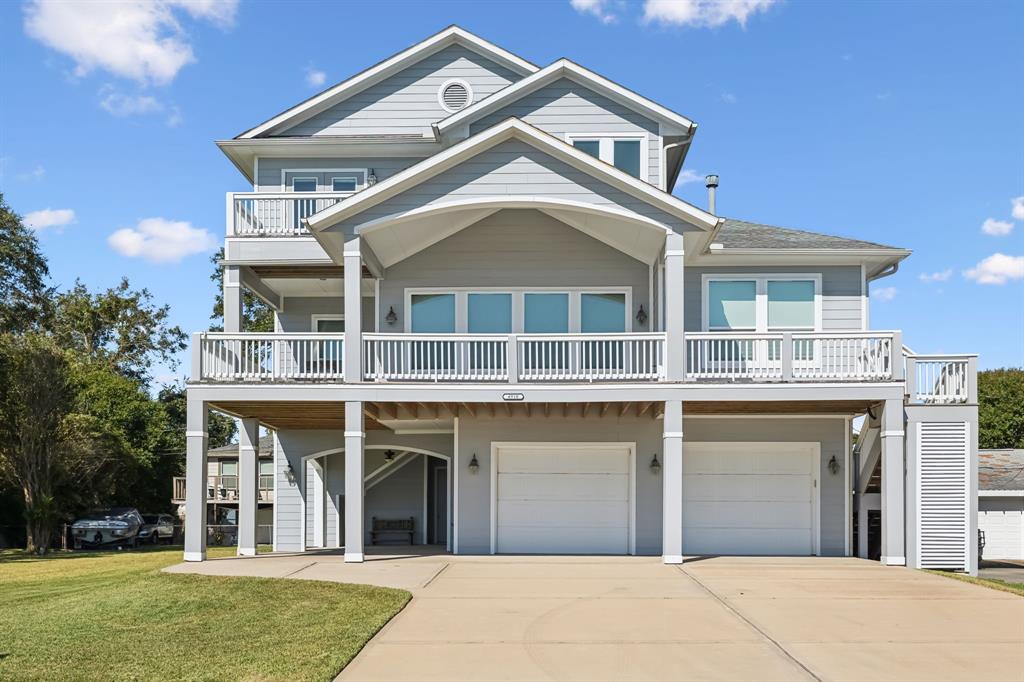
[762,303]
[304,184]
[433,313]
[546,313]
[489,313]
[266,467]
[602,313]
[626,151]
[344,184]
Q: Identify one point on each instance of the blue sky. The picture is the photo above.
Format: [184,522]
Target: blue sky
[893,122]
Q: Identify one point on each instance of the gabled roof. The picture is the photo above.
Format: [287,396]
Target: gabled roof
[741,234]
[453,35]
[1001,470]
[564,68]
[231,449]
[509,129]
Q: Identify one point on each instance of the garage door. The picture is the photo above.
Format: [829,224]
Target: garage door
[749,498]
[1004,534]
[561,499]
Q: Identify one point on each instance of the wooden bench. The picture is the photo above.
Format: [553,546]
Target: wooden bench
[392,527]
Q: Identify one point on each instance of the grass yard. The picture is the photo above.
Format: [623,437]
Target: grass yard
[114,616]
[1001,585]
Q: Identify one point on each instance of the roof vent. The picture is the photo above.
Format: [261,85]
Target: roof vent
[711,182]
[455,95]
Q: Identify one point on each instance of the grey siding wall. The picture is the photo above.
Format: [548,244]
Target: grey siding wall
[514,248]
[512,168]
[407,102]
[568,107]
[298,312]
[270,169]
[840,291]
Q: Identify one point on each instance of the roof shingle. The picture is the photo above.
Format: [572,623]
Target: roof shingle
[740,234]
[1001,470]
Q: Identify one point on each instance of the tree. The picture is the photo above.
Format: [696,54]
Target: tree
[25,293]
[219,427]
[257,316]
[119,327]
[1001,408]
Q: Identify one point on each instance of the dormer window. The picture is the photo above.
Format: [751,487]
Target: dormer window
[455,94]
[624,151]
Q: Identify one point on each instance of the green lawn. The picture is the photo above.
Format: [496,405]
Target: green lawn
[1001,585]
[114,616]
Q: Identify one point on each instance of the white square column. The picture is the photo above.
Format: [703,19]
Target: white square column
[196,441]
[675,341]
[672,484]
[354,472]
[353,344]
[232,299]
[248,477]
[893,485]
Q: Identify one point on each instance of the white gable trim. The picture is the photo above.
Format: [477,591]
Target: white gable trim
[563,68]
[453,35]
[509,129]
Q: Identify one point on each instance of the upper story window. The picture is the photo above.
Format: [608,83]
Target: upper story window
[455,94]
[342,180]
[624,151]
[762,303]
[304,184]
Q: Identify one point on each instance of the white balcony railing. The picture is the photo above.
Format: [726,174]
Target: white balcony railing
[266,214]
[942,379]
[591,357]
[435,357]
[270,357]
[225,488]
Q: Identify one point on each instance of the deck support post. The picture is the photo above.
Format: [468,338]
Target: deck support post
[248,477]
[672,484]
[196,441]
[232,299]
[353,303]
[893,485]
[675,342]
[354,468]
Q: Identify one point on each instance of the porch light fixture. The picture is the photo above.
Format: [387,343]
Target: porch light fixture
[833,465]
[371,179]
[641,315]
[655,464]
[389,456]
[290,474]
[474,465]
[391,317]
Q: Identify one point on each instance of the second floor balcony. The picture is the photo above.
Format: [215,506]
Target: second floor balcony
[224,489]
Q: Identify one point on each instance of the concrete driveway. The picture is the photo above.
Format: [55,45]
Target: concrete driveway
[512,618]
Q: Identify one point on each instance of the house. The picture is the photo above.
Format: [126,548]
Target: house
[497,331]
[223,493]
[1001,503]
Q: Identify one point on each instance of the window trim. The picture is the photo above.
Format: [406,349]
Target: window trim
[761,299]
[327,172]
[518,303]
[606,148]
[314,319]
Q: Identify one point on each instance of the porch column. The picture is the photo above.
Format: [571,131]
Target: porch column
[195,480]
[353,269]
[354,436]
[672,484]
[893,485]
[232,299]
[675,343]
[248,467]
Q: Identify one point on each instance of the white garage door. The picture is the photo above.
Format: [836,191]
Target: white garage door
[1004,534]
[749,498]
[561,498]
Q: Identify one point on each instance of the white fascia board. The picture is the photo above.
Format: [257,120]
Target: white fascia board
[879,259]
[567,69]
[449,36]
[1001,493]
[511,128]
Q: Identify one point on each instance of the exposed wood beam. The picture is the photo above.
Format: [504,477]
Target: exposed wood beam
[371,410]
[470,408]
[643,407]
[547,409]
[453,408]
[583,410]
[528,409]
[411,409]
[390,408]
[508,409]
[428,407]
[625,408]
[491,405]
[604,408]
[565,409]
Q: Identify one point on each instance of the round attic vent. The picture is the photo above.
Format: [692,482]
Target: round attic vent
[455,95]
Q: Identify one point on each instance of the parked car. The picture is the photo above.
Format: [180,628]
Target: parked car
[117,526]
[157,528]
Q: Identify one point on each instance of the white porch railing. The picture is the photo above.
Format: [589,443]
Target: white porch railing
[591,357]
[225,488]
[435,357]
[727,356]
[942,379]
[273,214]
[263,357]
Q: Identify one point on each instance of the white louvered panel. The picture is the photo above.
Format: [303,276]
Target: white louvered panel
[455,96]
[943,488]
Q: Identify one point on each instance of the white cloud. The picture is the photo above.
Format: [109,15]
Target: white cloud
[996,228]
[688,175]
[703,13]
[137,39]
[122,105]
[174,118]
[315,78]
[597,8]
[882,96]
[884,293]
[159,240]
[49,217]
[940,276]
[997,269]
[728,98]
[37,173]
[1018,208]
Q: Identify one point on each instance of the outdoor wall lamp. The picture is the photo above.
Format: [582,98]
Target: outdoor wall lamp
[371,179]
[290,474]
[833,465]
[474,465]
[389,456]
[655,464]
[391,317]
[641,315]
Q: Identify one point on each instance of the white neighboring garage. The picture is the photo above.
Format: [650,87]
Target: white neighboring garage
[563,498]
[751,498]
[1001,503]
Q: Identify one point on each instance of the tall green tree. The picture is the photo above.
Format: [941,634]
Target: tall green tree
[257,316]
[24,288]
[1001,408]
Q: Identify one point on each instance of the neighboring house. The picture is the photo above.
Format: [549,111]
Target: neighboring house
[223,493]
[497,329]
[1001,503]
